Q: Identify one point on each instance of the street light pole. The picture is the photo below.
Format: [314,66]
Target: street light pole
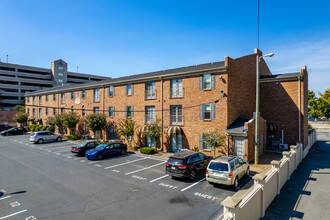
[256,135]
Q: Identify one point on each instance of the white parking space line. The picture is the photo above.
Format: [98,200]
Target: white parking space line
[154,158]
[97,165]
[151,181]
[67,155]
[145,168]
[79,158]
[132,161]
[54,148]
[93,162]
[6,197]
[193,184]
[61,151]
[16,213]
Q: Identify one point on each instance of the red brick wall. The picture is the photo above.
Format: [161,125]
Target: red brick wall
[242,85]
[279,104]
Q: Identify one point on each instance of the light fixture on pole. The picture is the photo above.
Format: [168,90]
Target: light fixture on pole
[256,135]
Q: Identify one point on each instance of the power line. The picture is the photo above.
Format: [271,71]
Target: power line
[81,109]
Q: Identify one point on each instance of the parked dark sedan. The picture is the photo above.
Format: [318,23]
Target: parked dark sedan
[4,127]
[14,131]
[105,150]
[81,148]
[187,164]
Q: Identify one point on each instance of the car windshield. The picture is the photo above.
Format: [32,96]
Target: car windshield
[178,161]
[101,147]
[34,134]
[218,166]
[82,144]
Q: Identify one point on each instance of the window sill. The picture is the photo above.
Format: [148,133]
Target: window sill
[207,120]
[207,89]
[179,97]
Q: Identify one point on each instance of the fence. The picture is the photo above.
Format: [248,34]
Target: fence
[251,203]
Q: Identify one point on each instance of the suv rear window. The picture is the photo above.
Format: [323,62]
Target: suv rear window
[218,166]
[172,160]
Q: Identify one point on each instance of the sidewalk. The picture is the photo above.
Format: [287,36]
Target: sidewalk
[307,194]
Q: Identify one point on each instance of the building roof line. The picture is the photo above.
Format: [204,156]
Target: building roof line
[133,79]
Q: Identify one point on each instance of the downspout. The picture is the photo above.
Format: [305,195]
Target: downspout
[299,107]
[162,116]
[104,132]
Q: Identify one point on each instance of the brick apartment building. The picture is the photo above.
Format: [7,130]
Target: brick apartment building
[191,101]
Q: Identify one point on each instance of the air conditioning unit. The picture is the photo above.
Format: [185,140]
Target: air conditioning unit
[284,147]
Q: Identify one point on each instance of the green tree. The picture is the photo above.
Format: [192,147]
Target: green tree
[319,107]
[324,104]
[71,120]
[50,120]
[126,128]
[21,118]
[19,108]
[96,122]
[215,139]
[154,130]
[59,122]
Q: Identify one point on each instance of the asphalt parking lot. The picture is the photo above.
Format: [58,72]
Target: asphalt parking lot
[47,181]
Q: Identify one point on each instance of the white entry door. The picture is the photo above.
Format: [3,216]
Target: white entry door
[239,147]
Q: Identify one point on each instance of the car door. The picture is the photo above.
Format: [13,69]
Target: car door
[47,136]
[109,150]
[205,160]
[196,162]
[117,148]
[14,131]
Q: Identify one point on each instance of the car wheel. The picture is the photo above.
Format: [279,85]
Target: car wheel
[99,156]
[58,139]
[123,152]
[40,141]
[236,183]
[192,175]
[248,171]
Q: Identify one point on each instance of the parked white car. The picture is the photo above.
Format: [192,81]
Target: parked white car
[42,136]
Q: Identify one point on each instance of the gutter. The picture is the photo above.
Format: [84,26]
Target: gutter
[192,73]
[292,78]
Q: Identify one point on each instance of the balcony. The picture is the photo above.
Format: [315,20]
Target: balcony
[177,93]
[150,94]
[176,119]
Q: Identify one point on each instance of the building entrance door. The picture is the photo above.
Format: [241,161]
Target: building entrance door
[176,143]
[239,147]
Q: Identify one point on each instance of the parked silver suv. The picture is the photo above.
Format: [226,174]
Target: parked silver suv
[227,170]
[41,136]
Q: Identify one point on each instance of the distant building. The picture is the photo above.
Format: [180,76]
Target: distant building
[16,79]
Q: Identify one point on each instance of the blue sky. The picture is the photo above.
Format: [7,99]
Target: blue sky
[119,38]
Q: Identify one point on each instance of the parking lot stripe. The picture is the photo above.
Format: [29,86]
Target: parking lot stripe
[61,151]
[145,168]
[154,158]
[151,181]
[193,184]
[67,155]
[132,161]
[79,158]
[16,213]
[6,197]
[93,162]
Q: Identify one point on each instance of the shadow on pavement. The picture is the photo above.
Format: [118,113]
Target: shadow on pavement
[284,205]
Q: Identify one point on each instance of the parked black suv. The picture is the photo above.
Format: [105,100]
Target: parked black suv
[187,164]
